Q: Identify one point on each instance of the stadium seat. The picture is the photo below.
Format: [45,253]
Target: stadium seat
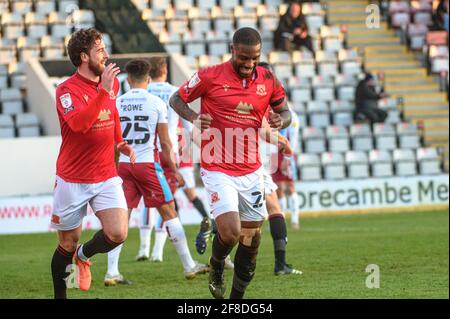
[217,43]
[390,105]
[333,165]
[228,4]
[27,125]
[59,28]
[16,72]
[323,88]
[338,140]
[28,48]
[199,19]
[83,19]
[405,162]
[52,48]
[300,89]
[361,137]
[381,163]
[6,126]
[207,60]
[171,41]
[11,100]
[327,63]
[67,6]
[399,12]
[357,164]
[245,16]
[183,4]
[342,112]
[304,64]
[429,161]
[12,25]
[346,87]
[140,4]
[194,44]
[3,77]
[21,6]
[206,4]
[416,34]
[439,57]
[7,51]
[4,5]
[318,114]
[309,167]
[44,7]
[223,19]
[314,140]
[385,137]
[300,110]
[36,25]
[267,41]
[408,135]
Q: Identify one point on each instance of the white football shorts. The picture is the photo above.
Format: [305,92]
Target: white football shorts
[243,194]
[70,200]
[188,176]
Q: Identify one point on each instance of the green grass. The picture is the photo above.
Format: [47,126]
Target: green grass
[411,250]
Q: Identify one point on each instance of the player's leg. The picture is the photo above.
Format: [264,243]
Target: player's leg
[293,203]
[160,239]
[145,233]
[177,236]
[281,196]
[62,260]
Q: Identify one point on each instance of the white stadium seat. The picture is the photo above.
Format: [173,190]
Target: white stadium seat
[381,163]
[361,137]
[310,168]
[385,137]
[357,164]
[338,140]
[6,126]
[314,140]
[11,100]
[333,165]
[318,113]
[27,125]
[405,162]
[429,161]
[408,135]
[342,112]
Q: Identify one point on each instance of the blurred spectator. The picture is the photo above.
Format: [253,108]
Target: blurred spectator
[440,17]
[366,100]
[292,30]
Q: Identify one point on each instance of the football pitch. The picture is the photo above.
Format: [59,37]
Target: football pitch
[411,251]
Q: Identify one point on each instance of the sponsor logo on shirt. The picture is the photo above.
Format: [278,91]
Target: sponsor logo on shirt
[244,108]
[86,98]
[66,100]
[261,89]
[55,219]
[104,115]
[226,87]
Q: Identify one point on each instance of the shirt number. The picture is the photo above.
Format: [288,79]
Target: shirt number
[136,125]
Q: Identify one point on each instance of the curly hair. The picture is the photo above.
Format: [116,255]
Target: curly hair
[82,41]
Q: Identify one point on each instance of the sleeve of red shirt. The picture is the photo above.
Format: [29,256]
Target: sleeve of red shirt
[117,129]
[75,111]
[278,95]
[196,87]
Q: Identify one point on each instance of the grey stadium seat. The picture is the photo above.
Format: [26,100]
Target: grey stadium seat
[11,100]
[333,165]
[300,89]
[342,112]
[28,48]
[217,42]
[300,110]
[21,6]
[27,125]
[6,126]
[361,137]
[381,162]
[36,24]
[3,76]
[58,26]
[314,140]
[183,4]
[405,162]
[12,25]
[194,44]
[304,64]
[327,64]
[45,6]
[310,168]
[199,19]
[408,135]
[52,48]
[338,140]
[323,88]
[385,136]
[429,161]
[357,164]
[318,113]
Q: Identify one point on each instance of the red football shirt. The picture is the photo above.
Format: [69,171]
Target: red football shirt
[87,150]
[237,107]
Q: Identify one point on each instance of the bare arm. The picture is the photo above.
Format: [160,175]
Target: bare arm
[281,117]
[166,145]
[182,108]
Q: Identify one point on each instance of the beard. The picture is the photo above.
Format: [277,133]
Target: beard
[96,68]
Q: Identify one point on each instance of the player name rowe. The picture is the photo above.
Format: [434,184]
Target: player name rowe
[194,309]
[131,107]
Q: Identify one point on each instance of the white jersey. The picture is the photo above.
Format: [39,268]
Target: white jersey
[140,112]
[164,91]
[293,132]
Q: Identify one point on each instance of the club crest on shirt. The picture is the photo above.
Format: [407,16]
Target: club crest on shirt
[214,197]
[86,98]
[104,115]
[244,108]
[194,81]
[66,100]
[261,89]
[226,87]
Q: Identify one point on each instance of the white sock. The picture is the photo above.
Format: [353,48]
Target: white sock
[283,205]
[178,238]
[160,238]
[145,232]
[113,261]
[293,203]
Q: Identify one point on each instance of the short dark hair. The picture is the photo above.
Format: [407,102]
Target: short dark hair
[157,63]
[138,70]
[247,36]
[82,41]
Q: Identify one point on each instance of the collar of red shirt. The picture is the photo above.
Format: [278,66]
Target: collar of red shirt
[86,80]
[246,82]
